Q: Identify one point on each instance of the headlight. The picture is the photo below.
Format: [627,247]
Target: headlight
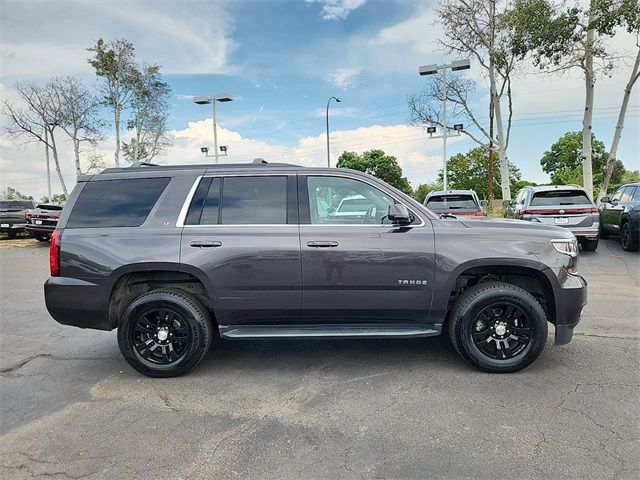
[567,246]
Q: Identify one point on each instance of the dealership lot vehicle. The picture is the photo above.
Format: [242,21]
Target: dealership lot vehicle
[13,215]
[620,214]
[326,408]
[170,255]
[456,202]
[565,206]
[42,220]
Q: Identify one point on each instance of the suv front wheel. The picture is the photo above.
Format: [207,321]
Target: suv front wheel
[165,333]
[498,327]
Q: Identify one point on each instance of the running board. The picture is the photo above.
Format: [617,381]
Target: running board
[239,332]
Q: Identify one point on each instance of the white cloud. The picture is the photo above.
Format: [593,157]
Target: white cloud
[41,38]
[336,111]
[417,33]
[337,9]
[345,77]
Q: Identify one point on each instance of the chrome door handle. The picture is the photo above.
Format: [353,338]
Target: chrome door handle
[211,244]
[322,244]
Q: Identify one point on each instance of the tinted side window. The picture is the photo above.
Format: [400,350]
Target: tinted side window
[254,200]
[204,208]
[626,194]
[116,203]
[636,195]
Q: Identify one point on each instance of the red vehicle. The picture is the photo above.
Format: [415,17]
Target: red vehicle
[456,202]
[42,220]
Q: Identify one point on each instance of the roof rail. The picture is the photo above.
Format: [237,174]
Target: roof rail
[143,164]
[260,161]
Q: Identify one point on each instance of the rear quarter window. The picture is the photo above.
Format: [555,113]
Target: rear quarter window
[560,197]
[116,203]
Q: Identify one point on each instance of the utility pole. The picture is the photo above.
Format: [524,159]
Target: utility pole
[328,150]
[490,166]
[46,156]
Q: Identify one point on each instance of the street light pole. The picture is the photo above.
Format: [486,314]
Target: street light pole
[215,130]
[219,97]
[328,150]
[444,130]
[430,70]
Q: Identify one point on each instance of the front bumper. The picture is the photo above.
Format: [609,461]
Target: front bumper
[570,300]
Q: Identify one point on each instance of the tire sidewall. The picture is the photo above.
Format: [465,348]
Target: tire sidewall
[467,314]
[171,301]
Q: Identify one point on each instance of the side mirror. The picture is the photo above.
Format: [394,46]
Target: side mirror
[398,214]
[605,200]
[506,203]
[483,203]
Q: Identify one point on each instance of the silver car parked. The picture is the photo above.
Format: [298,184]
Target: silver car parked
[565,206]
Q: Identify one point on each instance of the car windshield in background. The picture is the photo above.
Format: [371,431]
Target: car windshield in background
[559,197]
[452,202]
[15,204]
[44,206]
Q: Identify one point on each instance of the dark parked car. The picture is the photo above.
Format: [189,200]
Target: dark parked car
[172,255]
[566,206]
[456,202]
[620,214]
[42,220]
[13,216]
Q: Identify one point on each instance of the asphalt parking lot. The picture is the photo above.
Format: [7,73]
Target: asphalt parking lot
[72,408]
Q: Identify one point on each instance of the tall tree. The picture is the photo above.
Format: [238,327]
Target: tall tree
[469,171]
[563,161]
[37,119]
[80,108]
[474,28]
[632,14]
[378,164]
[114,62]
[422,190]
[149,105]
[562,39]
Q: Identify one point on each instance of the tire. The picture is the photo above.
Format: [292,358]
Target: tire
[627,238]
[12,234]
[41,237]
[589,245]
[502,306]
[187,336]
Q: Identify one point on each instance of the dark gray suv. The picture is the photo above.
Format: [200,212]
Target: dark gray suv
[173,255]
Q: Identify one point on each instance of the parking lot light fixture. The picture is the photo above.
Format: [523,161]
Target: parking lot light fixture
[328,151]
[432,69]
[219,97]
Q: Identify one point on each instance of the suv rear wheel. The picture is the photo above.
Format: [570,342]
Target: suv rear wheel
[498,327]
[627,239]
[165,333]
[589,245]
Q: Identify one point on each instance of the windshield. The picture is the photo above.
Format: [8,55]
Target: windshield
[15,204]
[559,197]
[444,203]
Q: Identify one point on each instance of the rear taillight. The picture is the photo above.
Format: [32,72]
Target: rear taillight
[565,211]
[479,214]
[54,253]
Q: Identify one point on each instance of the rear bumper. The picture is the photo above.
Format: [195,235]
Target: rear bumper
[76,302]
[588,233]
[40,228]
[12,227]
[570,300]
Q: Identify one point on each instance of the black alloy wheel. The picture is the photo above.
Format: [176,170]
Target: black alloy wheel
[165,333]
[501,330]
[627,239]
[498,327]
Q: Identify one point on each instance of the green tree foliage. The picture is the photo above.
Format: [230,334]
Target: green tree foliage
[378,164]
[421,192]
[470,170]
[563,161]
[11,193]
[55,198]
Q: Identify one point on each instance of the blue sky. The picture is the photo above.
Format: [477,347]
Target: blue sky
[283,60]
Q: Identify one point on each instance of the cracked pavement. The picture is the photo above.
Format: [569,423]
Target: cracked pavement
[72,408]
